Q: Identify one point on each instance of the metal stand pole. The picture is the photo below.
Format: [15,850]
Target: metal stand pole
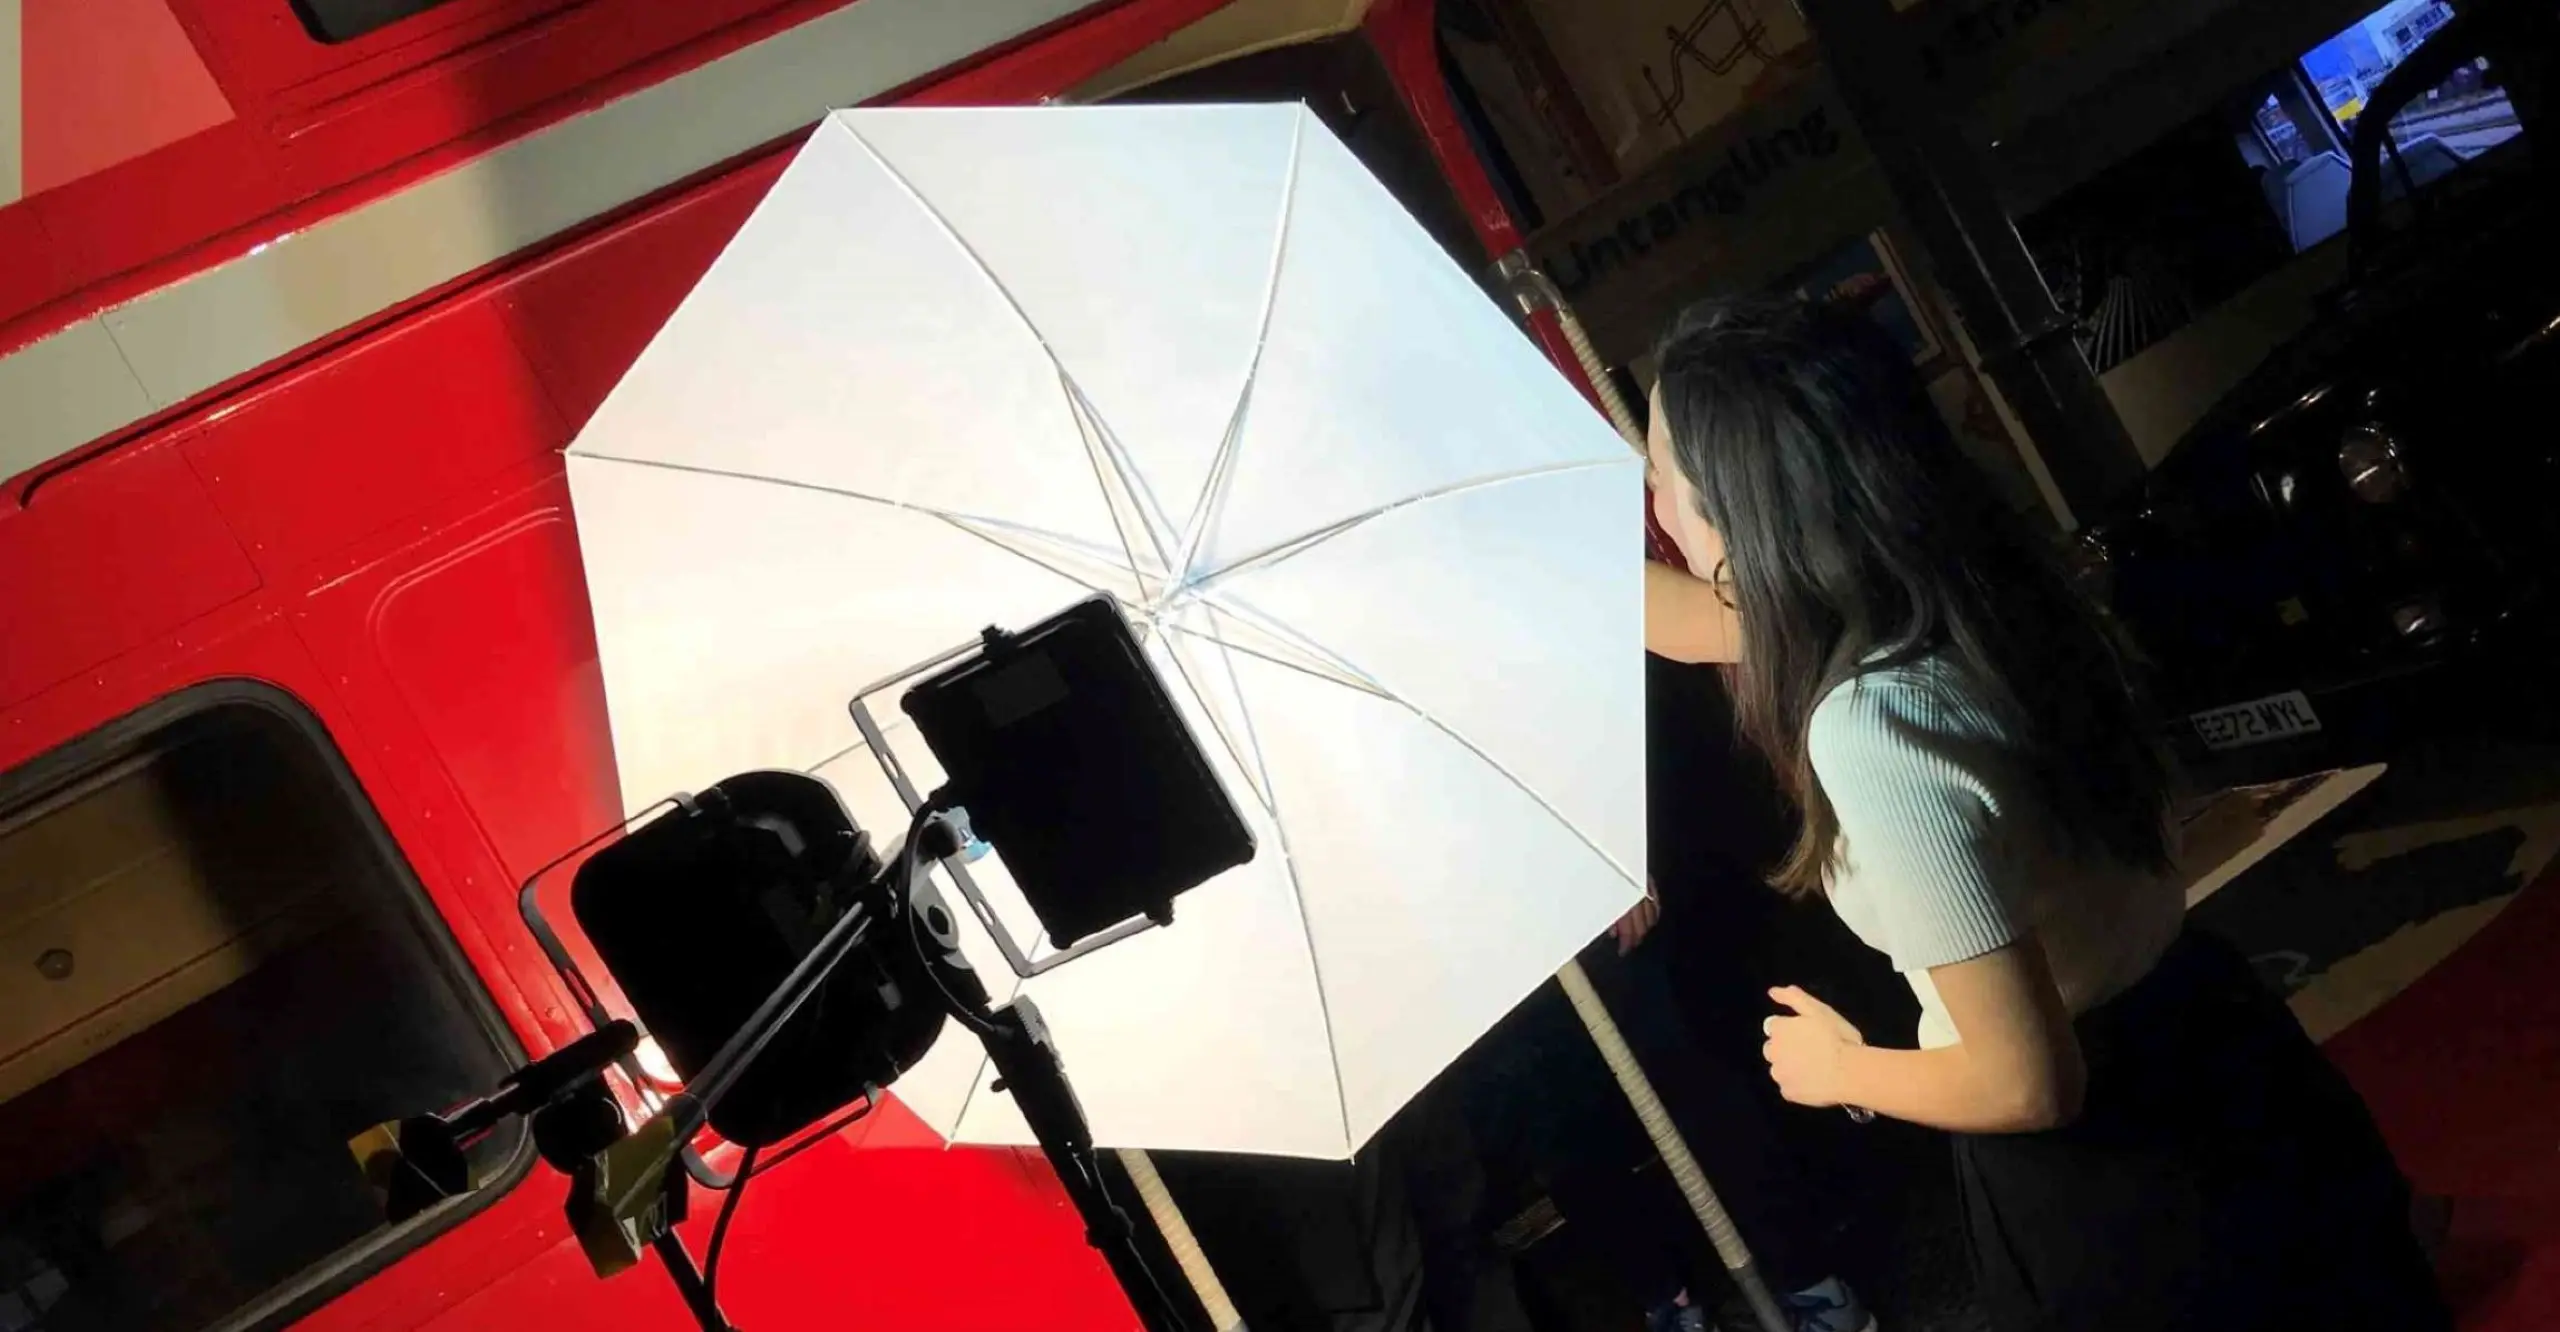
[1534,291]
[1735,1255]
[2028,347]
[1027,1066]
[1176,1230]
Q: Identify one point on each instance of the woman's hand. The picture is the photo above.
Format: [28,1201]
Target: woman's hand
[1639,921]
[2016,1066]
[1809,1051]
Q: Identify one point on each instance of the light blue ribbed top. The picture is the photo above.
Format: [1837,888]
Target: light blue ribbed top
[1944,856]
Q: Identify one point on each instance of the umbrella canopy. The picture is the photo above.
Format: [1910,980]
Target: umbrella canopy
[964,367]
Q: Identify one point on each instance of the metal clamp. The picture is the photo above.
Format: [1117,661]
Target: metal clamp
[1518,276]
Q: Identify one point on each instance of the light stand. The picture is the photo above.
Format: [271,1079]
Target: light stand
[627,1193]
[1027,1065]
[723,916]
[417,1163]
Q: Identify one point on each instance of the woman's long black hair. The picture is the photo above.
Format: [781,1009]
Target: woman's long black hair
[1857,536]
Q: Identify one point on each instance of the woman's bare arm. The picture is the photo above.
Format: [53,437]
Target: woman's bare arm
[2016,1066]
[1685,621]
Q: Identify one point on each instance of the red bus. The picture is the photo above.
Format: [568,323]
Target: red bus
[299,301]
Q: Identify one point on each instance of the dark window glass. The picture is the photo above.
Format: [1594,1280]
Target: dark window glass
[346,20]
[2284,140]
[2464,117]
[214,972]
[2135,253]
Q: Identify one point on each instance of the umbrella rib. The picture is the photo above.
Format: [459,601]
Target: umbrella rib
[1279,552]
[1352,680]
[1125,469]
[1354,677]
[1297,892]
[1350,674]
[994,525]
[1252,770]
[1633,880]
[1101,451]
[959,522]
[895,725]
[965,525]
[1213,491]
[1361,682]
[1005,293]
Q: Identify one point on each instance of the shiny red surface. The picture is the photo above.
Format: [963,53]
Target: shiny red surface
[1406,33]
[151,552]
[101,81]
[381,529]
[446,648]
[318,129]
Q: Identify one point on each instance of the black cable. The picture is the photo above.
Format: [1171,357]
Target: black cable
[750,1167]
[720,1228]
[747,1043]
[908,855]
[813,1137]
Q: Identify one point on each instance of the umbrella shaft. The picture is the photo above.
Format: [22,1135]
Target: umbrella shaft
[1640,1094]
[1536,291]
[1177,1234]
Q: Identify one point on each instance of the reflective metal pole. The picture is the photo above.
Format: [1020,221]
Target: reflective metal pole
[2029,348]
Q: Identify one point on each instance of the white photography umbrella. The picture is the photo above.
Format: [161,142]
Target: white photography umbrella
[964,367]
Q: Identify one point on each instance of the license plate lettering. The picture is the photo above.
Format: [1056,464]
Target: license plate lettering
[2261,721]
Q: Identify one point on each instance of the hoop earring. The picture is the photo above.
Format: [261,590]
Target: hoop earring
[1721,581]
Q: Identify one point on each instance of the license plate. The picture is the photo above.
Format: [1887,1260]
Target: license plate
[2264,721]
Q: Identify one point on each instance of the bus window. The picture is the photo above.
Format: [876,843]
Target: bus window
[336,21]
[214,972]
[2464,117]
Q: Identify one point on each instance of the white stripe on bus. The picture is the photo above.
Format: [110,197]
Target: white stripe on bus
[113,369]
[13,116]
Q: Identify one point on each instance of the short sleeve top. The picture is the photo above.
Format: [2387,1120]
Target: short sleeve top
[1943,854]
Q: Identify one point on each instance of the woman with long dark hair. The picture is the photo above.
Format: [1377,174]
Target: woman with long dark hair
[2145,1138]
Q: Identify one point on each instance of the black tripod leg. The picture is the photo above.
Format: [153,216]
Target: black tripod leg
[688,1279]
[1027,1067]
[1108,1229]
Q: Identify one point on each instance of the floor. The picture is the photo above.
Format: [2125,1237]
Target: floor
[2416,930]
[2450,1024]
